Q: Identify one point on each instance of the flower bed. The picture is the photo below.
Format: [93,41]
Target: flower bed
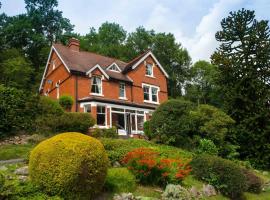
[150,168]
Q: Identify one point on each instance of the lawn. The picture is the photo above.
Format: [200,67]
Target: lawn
[117,148]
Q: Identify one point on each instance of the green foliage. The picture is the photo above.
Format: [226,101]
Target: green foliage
[120,180]
[203,87]
[243,60]
[146,130]
[49,107]
[207,147]
[67,122]
[72,165]
[211,123]
[12,151]
[170,122]
[223,174]
[254,183]
[105,133]
[2,181]
[176,192]
[66,102]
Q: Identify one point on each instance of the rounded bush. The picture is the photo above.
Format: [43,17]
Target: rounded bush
[207,147]
[66,102]
[48,106]
[71,164]
[176,192]
[120,180]
[254,183]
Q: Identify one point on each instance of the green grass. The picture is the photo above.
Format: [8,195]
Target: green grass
[13,151]
[148,191]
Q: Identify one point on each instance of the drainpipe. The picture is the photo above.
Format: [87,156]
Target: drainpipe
[76,92]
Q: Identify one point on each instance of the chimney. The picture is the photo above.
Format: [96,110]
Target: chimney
[74,44]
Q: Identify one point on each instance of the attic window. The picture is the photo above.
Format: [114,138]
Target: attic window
[149,70]
[114,68]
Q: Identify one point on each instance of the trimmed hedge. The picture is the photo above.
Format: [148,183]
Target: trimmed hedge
[120,180]
[105,133]
[72,165]
[223,174]
[66,102]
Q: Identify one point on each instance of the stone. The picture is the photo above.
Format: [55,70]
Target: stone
[209,190]
[22,171]
[116,164]
[124,196]
[3,168]
[22,178]
[195,192]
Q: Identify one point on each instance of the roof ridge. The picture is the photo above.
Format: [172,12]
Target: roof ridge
[139,56]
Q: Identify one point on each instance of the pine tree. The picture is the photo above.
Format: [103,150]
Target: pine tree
[243,58]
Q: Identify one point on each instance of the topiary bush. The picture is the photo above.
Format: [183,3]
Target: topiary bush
[207,147]
[66,102]
[223,174]
[170,122]
[176,192]
[120,180]
[72,165]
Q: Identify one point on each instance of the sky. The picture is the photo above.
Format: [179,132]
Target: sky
[193,22]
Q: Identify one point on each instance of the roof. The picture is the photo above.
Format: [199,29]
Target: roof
[134,61]
[117,102]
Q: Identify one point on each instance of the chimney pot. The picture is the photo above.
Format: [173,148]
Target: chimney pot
[74,44]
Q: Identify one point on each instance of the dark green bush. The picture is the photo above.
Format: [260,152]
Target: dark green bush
[254,183]
[146,130]
[66,102]
[207,147]
[67,122]
[120,180]
[170,123]
[49,107]
[2,182]
[223,174]
[105,133]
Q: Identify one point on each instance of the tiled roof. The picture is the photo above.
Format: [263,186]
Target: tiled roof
[134,61]
[117,102]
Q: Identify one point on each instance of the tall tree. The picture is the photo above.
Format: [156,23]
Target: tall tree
[202,87]
[243,58]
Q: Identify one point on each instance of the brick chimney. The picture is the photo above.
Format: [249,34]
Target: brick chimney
[74,44]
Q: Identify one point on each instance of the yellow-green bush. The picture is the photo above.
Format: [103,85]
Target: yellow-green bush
[70,164]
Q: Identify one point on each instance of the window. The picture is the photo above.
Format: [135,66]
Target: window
[140,121]
[53,64]
[118,120]
[146,93]
[114,67]
[87,108]
[150,93]
[122,92]
[149,69]
[101,116]
[96,85]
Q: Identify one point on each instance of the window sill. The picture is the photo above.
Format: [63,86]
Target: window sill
[96,94]
[99,126]
[152,102]
[123,98]
[150,76]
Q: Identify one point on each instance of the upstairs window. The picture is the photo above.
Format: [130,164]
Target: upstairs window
[150,93]
[122,90]
[101,116]
[53,64]
[114,68]
[149,69]
[96,87]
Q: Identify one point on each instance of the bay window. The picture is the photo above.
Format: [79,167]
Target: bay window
[101,116]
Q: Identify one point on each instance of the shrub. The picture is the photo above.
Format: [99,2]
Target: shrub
[170,122]
[223,174]
[146,130]
[176,192]
[106,133]
[120,180]
[149,168]
[66,102]
[211,122]
[49,107]
[254,183]
[2,181]
[72,165]
[35,138]
[208,147]
[67,122]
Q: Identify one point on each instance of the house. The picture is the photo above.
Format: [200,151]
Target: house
[116,93]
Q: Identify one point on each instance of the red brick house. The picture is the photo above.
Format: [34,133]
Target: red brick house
[116,93]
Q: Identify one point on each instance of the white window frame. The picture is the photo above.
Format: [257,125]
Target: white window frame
[53,65]
[57,85]
[85,108]
[152,70]
[101,89]
[105,107]
[123,84]
[150,93]
[114,65]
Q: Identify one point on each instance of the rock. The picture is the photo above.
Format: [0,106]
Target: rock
[116,164]
[3,168]
[22,171]
[265,173]
[23,178]
[124,196]
[209,190]
[195,192]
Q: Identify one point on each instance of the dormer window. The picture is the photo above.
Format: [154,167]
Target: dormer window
[96,86]
[114,67]
[53,64]
[149,70]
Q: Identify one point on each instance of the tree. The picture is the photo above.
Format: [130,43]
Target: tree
[243,58]
[202,86]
